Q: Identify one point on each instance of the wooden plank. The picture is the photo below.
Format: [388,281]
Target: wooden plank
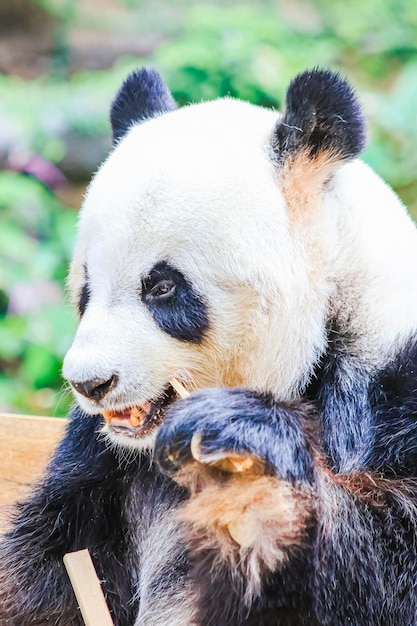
[27,443]
[87,588]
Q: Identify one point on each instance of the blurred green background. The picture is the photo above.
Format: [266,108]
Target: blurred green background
[61,62]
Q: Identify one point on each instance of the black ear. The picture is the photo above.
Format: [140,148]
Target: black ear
[142,96]
[322,118]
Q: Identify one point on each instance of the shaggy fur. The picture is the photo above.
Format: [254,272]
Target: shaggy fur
[253,257]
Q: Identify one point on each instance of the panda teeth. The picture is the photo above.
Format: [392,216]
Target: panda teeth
[135,415]
[146,414]
[138,414]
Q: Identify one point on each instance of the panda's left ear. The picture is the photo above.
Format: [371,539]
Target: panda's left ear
[322,126]
[142,96]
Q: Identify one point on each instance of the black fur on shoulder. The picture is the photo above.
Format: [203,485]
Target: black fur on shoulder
[368,421]
[322,115]
[394,402]
[340,390]
[142,96]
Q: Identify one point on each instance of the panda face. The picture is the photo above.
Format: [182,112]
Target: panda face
[172,276]
[188,263]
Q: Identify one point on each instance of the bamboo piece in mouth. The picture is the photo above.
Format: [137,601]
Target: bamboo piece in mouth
[179,388]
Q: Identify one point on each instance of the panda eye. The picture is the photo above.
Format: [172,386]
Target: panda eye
[176,308]
[161,292]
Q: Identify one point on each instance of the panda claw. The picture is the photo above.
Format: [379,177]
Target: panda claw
[225,460]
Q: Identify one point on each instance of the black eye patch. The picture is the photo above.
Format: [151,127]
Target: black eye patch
[174,304]
[83,299]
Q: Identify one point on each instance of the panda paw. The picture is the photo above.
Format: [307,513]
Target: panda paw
[247,465]
[237,432]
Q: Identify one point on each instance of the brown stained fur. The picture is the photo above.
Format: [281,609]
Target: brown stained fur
[375,489]
[253,522]
[302,181]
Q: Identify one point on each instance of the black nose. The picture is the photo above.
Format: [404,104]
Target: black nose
[97,388]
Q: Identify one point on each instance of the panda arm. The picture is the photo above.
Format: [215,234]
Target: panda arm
[286,534]
[77,505]
[368,417]
[394,401]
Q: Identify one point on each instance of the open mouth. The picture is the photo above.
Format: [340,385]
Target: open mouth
[139,421]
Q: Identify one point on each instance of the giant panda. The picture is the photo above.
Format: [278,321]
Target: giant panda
[250,256]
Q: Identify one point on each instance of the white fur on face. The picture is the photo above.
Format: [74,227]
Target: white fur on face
[157,199]
[198,188]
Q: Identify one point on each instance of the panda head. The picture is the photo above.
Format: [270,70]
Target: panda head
[204,247]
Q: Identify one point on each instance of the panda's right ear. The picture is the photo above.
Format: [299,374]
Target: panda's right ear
[142,96]
[322,128]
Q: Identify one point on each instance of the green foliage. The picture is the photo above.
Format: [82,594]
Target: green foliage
[36,324]
[244,49]
[41,113]
[64,10]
